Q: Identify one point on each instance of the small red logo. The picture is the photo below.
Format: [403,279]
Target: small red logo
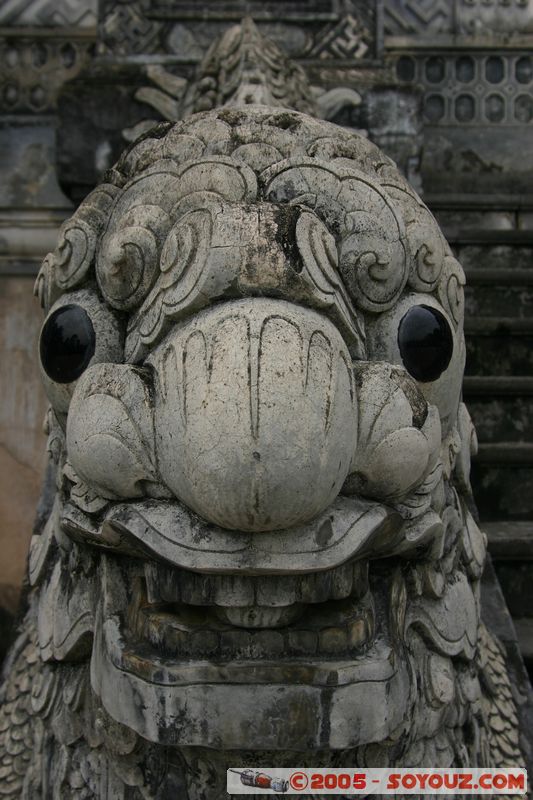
[299,781]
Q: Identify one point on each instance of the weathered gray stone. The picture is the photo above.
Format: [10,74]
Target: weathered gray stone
[261,538]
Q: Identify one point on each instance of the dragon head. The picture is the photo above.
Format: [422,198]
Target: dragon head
[253,352]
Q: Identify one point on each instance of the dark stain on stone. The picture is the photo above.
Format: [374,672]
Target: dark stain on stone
[122,166]
[232,116]
[286,218]
[413,394]
[285,120]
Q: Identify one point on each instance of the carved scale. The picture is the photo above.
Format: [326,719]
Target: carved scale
[260,548]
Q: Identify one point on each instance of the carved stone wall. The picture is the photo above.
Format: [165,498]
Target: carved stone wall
[426,18]
[325,29]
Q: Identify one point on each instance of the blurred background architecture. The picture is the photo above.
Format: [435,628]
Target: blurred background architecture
[445,87]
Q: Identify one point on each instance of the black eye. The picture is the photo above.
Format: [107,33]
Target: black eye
[67,343]
[426,343]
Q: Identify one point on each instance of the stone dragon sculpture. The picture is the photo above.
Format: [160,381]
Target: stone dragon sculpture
[261,548]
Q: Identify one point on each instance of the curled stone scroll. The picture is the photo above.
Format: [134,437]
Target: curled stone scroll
[370,235]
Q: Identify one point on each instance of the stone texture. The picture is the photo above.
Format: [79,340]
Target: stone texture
[196,209]
[42,12]
[28,167]
[495,610]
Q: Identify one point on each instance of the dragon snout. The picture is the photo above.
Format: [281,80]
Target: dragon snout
[255,417]
[255,414]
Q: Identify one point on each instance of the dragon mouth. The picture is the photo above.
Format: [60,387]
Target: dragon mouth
[249,618]
[197,591]
[300,633]
[303,593]
[292,630]
[340,630]
[295,676]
